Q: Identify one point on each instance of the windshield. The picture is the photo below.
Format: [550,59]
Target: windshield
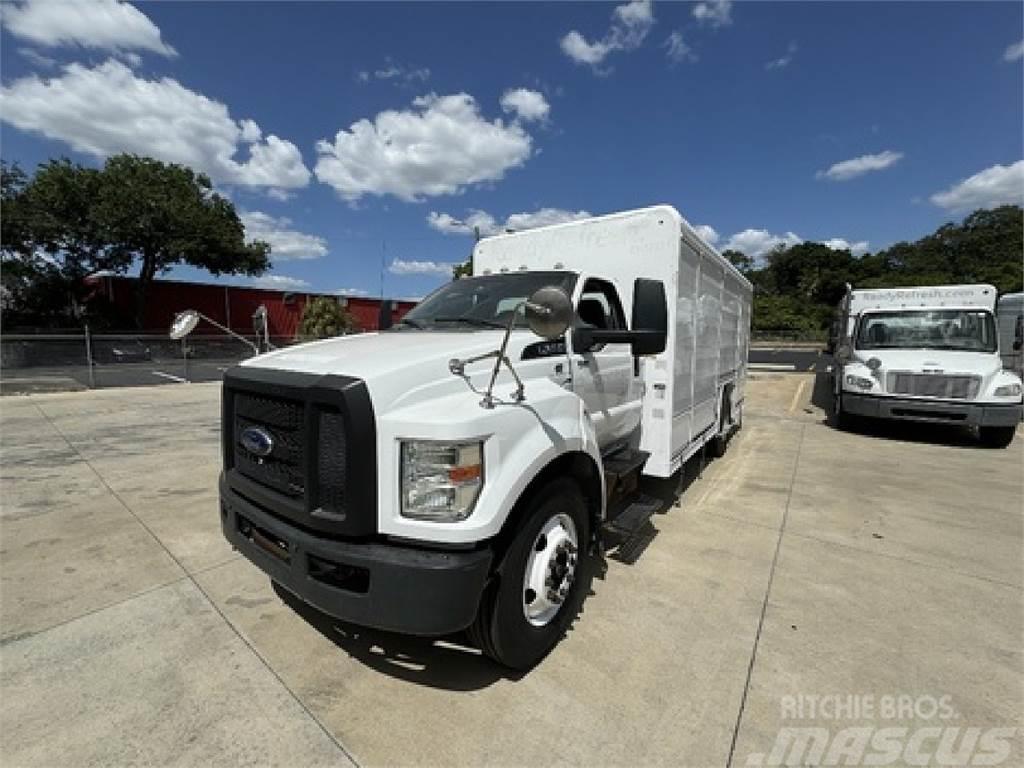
[963,329]
[485,302]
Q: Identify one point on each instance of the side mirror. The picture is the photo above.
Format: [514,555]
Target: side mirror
[844,353]
[549,312]
[1017,344]
[650,317]
[184,323]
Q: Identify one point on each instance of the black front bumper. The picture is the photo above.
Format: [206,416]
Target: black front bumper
[396,588]
[938,411]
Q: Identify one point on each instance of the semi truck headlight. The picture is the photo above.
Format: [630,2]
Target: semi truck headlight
[859,382]
[441,480]
[1008,390]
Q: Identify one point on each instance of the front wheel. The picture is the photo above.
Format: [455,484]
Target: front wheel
[539,586]
[996,437]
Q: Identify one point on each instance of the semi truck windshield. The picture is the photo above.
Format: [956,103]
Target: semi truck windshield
[967,330]
[482,302]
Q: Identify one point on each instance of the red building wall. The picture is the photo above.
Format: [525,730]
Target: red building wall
[232,306]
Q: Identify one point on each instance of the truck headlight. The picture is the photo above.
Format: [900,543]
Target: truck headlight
[1008,390]
[441,480]
[859,382]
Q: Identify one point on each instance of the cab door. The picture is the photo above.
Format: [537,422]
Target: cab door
[603,376]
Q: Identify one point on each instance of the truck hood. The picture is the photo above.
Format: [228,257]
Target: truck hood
[370,356]
[982,364]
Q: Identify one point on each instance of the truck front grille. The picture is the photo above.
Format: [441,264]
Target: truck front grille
[934,385]
[282,420]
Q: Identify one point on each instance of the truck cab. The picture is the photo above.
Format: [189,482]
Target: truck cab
[926,354]
[454,472]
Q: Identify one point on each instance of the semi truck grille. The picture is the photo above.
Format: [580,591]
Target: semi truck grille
[282,420]
[934,385]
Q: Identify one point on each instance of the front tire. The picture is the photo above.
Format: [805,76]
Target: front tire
[996,437]
[539,585]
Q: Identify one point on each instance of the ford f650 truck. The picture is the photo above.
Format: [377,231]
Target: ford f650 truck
[926,354]
[455,471]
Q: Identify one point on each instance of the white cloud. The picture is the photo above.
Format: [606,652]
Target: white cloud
[108,25]
[352,292]
[630,24]
[998,185]
[858,248]
[402,267]
[285,243]
[1014,52]
[526,104]
[489,225]
[279,282]
[108,109]
[784,60]
[37,59]
[715,13]
[707,233]
[678,50]
[396,73]
[858,166]
[757,243]
[439,147]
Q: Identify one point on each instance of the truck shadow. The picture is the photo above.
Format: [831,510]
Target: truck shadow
[882,429]
[449,663]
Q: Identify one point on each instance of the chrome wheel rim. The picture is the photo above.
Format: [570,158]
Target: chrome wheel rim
[550,570]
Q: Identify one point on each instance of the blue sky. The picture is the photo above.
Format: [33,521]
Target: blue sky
[351,135]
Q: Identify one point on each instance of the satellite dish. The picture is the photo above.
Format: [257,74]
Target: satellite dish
[184,323]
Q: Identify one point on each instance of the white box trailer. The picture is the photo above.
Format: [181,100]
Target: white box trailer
[928,353]
[709,310]
[459,470]
[1010,320]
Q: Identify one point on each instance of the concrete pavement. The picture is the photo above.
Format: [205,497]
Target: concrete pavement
[807,562]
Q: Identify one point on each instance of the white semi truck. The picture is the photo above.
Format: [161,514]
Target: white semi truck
[456,471]
[925,354]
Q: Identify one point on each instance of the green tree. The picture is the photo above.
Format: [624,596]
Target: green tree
[324,317]
[69,220]
[160,214]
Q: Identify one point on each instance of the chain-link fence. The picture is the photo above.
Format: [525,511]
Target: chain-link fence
[79,359]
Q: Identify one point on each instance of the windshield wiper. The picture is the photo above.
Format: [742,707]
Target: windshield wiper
[477,321]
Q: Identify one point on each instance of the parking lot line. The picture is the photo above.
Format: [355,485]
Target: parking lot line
[170,376]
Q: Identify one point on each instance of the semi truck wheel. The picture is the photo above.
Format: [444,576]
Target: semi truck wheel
[539,586]
[996,437]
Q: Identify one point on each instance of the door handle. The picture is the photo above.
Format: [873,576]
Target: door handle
[582,362]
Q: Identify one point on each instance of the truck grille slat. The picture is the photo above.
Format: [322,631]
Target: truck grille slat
[949,387]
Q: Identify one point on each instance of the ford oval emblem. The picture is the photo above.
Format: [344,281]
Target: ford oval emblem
[257,440]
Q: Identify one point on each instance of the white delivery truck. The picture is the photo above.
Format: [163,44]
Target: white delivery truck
[456,471]
[925,354]
[1010,322]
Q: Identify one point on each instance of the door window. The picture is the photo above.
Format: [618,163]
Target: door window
[600,307]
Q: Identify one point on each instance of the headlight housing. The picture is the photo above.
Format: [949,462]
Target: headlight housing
[1007,390]
[859,382]
[441,480]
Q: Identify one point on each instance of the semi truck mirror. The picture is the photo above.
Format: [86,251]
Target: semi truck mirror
[650,317]
[549,312]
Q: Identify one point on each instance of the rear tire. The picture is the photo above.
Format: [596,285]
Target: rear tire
[514,625]
[720,442]
[996,437]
